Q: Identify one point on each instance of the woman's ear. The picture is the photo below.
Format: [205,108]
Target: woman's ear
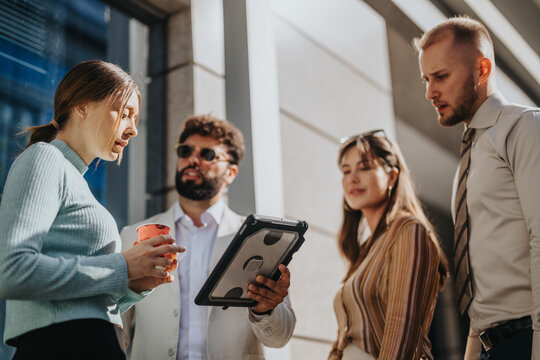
[81,110]
[393,176]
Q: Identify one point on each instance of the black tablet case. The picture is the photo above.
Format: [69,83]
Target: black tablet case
[259,247]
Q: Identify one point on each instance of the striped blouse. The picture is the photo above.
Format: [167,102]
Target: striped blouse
[386,306]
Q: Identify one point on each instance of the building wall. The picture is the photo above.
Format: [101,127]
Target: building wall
[334,81]
[343,68]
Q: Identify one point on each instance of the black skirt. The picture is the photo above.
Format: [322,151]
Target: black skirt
[76,339]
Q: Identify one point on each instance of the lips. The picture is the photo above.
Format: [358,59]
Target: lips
[191,174]
[440,106]
[119,146]
[356,191]
[121,143]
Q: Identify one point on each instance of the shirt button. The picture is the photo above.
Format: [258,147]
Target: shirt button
[171,351]
[175,313]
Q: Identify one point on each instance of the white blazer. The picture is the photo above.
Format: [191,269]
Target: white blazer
[152,325]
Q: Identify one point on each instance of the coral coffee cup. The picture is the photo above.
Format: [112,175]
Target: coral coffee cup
[148,231]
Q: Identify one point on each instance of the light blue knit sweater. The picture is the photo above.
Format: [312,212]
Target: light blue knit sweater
[59,246]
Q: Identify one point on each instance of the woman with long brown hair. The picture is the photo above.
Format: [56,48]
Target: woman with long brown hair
[385,306]
[61,271]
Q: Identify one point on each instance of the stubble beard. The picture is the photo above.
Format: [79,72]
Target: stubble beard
[465,103]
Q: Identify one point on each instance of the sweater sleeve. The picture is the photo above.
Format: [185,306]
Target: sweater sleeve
[32,198]
[412,290]
[129,298]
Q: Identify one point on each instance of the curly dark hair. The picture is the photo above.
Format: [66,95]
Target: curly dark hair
[221,130]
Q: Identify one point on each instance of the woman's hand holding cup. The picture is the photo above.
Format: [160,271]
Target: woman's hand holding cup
[154,254]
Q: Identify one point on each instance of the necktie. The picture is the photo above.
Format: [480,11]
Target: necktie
[462,267]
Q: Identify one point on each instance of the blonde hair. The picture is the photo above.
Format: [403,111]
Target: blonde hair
[467,32]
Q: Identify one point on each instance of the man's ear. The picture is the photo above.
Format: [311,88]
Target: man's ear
[231,173]
[484,70]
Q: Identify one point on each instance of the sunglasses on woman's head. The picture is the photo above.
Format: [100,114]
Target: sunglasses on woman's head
[377,132]
[184,151]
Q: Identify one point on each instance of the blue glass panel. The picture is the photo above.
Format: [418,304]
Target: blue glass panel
[39,43]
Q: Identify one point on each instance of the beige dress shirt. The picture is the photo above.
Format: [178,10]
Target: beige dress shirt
[503,199]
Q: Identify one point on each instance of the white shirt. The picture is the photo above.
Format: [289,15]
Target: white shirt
[503,200]
[193,270]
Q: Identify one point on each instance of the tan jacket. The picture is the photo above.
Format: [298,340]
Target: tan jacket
[151,327]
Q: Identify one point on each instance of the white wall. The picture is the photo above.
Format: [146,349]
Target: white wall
[334,81]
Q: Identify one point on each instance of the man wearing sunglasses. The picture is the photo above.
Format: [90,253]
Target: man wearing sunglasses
[168,324]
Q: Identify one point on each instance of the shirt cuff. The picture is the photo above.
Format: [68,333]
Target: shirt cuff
[258,317]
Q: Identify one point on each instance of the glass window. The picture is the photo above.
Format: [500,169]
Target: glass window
[39,42]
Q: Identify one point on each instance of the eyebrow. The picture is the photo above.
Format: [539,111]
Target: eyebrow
[361,162]
[434,73]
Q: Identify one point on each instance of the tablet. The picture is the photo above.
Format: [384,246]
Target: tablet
[259,247]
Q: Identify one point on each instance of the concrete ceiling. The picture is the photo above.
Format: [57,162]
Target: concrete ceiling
[409,102]
[523,15]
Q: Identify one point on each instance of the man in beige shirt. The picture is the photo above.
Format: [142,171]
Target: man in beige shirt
[502,197]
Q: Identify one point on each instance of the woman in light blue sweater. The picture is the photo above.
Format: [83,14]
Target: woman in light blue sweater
[61,272]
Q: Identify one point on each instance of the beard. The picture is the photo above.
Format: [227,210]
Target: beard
[465,104]
[207,189]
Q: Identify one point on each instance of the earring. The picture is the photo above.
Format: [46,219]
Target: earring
[389,191]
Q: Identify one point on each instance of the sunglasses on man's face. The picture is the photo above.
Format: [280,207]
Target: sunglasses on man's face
[377,132]
[207,154]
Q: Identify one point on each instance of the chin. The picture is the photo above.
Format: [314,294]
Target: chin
[450,120]
[110,156]
[355,205]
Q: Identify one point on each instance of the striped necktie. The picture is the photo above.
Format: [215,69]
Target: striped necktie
[462,267]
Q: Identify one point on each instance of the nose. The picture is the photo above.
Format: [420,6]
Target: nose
[194,158]
[431,91]
[131,130]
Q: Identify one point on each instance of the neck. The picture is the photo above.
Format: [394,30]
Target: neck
[373,216]
[483,93]
[76,142]
[195,208]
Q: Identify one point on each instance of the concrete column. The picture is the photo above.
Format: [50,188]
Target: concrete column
[253,106]
[195,73]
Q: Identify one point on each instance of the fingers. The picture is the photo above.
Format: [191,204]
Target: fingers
[285,279]
[167,249]
[143,259]
[173,266]
[157,273]
[163,262]
[264,303]
[282,285]
[160,239]
[269,293]
[264,294]
[148,283]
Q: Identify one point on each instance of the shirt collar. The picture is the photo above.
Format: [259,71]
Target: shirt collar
[213,213]
[488,113]
[70,155]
